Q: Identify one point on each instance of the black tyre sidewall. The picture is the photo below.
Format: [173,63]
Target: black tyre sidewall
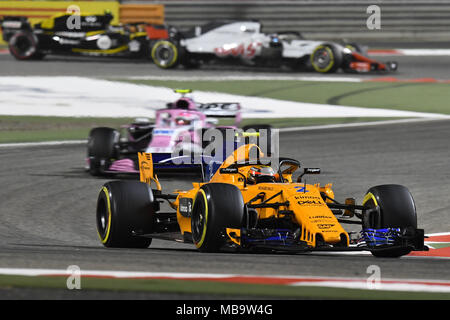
[132,210]
[397,206]
[397,210]
[32,53]
[101,146]
[225,210]
[337,58]
[171,45]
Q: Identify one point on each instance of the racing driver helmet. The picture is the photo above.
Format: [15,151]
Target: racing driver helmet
[184,103]
[261,174]
[183,120]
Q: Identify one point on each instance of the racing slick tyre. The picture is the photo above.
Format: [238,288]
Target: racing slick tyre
[101,146]
[397,210]
[326,58]
[124,208]
[264,141]
[217,206]
[24,46]
[165,54]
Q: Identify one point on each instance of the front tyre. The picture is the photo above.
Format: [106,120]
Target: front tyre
[125,208]
[165,54]
[397,210]
[217,206]
[326,58]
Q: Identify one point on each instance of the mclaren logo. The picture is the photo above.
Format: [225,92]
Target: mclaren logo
[309,202]
[325,226]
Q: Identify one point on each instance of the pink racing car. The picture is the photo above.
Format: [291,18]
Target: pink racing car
[178,129]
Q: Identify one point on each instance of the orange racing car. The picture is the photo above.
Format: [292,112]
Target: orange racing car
[248,206]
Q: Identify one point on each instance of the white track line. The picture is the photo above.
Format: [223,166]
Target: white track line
[246,78]
[43,143]
[283,130]
[359,124]
[424,52]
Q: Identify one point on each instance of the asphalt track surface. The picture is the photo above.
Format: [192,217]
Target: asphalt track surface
[409,68]
[47,212]
[47,217]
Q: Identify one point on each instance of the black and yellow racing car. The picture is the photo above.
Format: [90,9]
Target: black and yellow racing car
[83,34]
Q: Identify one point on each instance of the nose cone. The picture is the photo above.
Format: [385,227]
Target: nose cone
[314,216]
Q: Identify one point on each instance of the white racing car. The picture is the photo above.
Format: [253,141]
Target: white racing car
[243,41]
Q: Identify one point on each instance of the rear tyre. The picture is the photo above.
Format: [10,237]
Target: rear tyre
[397,210]
[326,58]
[217,206]
[102,146]
[165,54]
[24,46]
[124,207]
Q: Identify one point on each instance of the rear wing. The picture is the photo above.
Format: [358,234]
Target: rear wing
[220,109]
[12,24]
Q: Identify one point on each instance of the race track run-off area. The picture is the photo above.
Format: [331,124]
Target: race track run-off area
[87,97]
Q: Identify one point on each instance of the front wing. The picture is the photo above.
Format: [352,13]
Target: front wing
[281,240]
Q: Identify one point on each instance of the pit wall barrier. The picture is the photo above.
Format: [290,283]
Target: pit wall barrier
[400,20]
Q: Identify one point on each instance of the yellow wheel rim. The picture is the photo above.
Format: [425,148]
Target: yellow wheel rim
[168,45]
[331,59]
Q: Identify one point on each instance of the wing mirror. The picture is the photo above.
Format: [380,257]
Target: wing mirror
[308,171]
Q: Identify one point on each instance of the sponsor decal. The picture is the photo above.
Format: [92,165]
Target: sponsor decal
[185,207]
[165,132]
[218,106]
[321,219]
[310,202]
[318,217]
[91,19]
[134,45]
[325,225]
[229,170]
[243,50]
[104,42]
[12,24]
[299,197]
[66,41]
[265,188]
